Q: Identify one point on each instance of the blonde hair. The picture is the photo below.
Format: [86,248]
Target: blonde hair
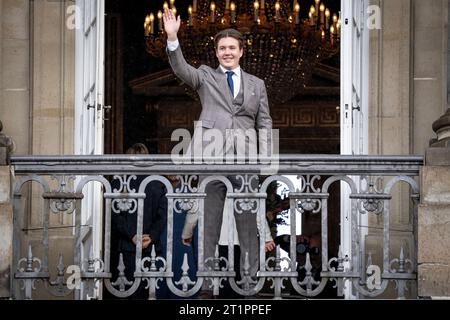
[137,148]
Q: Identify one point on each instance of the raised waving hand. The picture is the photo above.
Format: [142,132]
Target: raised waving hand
[171,24]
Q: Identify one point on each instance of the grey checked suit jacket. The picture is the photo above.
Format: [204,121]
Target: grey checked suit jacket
[219,110]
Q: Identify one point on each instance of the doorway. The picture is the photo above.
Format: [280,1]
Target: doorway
[148,103]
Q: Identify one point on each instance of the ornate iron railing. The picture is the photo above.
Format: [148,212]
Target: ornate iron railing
[370,178]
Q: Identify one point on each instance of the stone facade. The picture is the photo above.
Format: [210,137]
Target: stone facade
[408,90]
[37,88]
[6,216]
[434,226]
[434,215]
[6,228]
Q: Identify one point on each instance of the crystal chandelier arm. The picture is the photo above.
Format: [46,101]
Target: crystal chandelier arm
[191,76]
[264,121]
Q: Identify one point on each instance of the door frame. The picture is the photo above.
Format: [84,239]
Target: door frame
[354,112]
[89,121]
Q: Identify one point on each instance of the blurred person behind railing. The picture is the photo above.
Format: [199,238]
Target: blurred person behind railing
[178,250]
[124,225]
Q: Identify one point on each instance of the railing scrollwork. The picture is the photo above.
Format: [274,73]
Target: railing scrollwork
[370,180]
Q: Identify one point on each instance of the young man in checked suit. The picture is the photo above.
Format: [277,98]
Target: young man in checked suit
[230,99]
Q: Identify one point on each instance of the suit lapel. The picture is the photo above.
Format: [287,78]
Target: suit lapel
[249,87]
[223,85]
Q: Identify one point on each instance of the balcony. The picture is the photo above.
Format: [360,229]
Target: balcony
[77,194]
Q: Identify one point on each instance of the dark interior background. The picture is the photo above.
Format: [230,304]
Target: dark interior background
[147,104]
[136,116]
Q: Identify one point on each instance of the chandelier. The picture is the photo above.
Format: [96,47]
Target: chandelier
[282,45]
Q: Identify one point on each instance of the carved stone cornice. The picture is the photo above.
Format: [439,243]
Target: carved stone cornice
[442,129]
[6,147]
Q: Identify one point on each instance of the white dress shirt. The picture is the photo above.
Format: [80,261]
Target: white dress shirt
[236,79]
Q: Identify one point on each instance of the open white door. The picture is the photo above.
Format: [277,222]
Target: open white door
[354,101]
[89,120]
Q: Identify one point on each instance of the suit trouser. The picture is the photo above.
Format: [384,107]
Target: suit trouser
[245,224]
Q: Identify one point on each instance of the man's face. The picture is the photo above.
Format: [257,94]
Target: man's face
[229,53]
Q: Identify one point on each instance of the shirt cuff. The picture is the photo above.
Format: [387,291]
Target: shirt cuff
[172,45]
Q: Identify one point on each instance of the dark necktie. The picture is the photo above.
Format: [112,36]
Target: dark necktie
[230,81]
